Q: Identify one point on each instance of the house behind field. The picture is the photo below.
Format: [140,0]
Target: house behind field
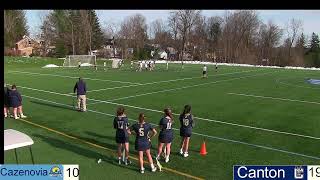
[28,46]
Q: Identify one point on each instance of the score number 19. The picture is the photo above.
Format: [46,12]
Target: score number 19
[313,172]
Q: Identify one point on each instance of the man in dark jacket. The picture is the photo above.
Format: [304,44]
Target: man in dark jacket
[81,89]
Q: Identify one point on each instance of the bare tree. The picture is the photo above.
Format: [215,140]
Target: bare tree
[185,19]
[133,32]
[238,34]
[293,29]
[268,39]
[112,32]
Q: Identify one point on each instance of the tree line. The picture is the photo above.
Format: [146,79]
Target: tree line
[235,37]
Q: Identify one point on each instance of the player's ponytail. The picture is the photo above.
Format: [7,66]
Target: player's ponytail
[167,112]
[120,111]
[186,110]
[141,118]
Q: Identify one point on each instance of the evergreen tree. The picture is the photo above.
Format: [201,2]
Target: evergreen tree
[314,43]
[97,35]
[301,42]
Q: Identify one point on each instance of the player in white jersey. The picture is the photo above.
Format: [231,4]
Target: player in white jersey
[140,66]
[105,66]
[204,72]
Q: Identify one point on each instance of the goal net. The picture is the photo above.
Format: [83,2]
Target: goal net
[116,63]
[82,60]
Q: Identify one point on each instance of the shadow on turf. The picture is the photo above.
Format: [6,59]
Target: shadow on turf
[154,148]
[53,105]
[110,159]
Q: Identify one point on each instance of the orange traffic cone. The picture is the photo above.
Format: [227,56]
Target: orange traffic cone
[203,150]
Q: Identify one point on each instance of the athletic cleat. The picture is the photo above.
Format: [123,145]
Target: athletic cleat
[17,117]
[167,159]
[99,161]
[181,151]
[154,169]
[142,171]
[23,116]
[185,154]
[127,162]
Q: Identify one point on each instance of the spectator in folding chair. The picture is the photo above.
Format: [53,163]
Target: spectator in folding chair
[81,88]
[15,99]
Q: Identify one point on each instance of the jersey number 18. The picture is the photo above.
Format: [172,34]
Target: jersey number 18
[186,122]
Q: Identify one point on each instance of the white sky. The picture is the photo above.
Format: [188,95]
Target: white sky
[310,18]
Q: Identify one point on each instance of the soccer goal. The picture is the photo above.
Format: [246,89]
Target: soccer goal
[82,60]
[116,63]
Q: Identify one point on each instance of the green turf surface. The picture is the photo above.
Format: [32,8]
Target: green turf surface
[246,115]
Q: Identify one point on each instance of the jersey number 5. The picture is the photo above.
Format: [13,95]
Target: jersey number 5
[141,132]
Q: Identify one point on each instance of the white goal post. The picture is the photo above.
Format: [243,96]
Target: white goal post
[85,60]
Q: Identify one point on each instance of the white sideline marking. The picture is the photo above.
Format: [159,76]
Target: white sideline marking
[185,87]
[64,76]
[282,99]
[199,134]
[204,119]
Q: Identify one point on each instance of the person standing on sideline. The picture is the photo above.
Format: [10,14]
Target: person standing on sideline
[204,72]
[166,134]
[144,132]
[79,65]
[81,88]
[16,102]
[187,123]
[121,124]
[6,106]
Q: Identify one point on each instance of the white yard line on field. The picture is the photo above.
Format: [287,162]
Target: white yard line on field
[73,77]
[199,134]
[275,98]
[185,87]
[172,80]
[204,119]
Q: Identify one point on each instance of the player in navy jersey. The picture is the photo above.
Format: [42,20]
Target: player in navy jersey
[144,131]
[15,101]
[187,123]
[166,134]
[121,124]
